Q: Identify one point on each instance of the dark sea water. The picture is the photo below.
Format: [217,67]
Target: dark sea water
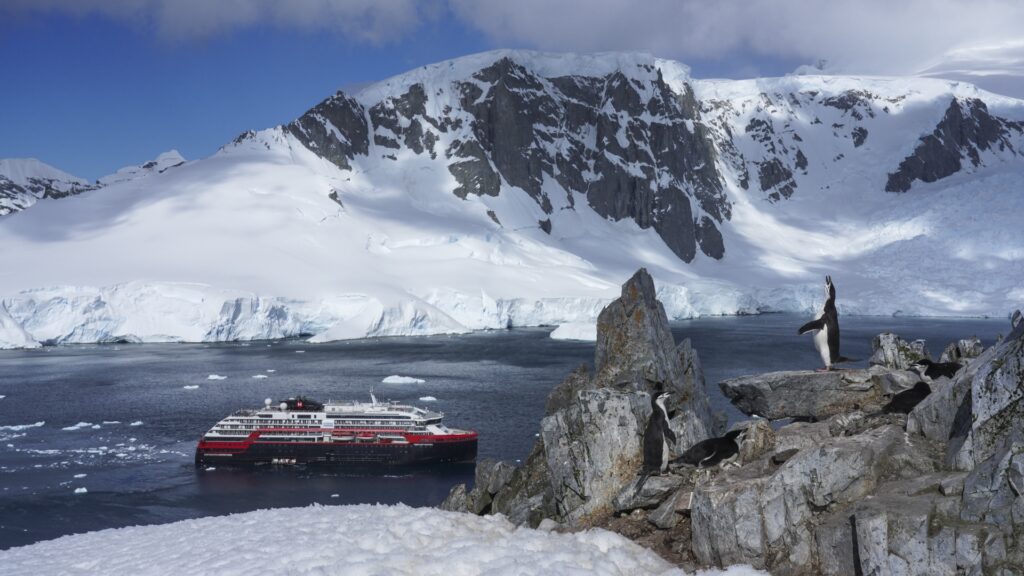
[133,454]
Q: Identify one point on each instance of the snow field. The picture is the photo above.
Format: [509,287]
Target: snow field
[349,540]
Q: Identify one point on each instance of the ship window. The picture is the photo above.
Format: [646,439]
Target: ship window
[265,415]
[305,416]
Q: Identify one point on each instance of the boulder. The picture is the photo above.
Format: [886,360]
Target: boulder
[592,449]
[758,440]
[768,521]
[665,516]
[933,417]
[891,351]
[654,491]
[456,500]
[962,351]
[805,394]
[994,407]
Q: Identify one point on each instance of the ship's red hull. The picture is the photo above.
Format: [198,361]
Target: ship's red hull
[416,450]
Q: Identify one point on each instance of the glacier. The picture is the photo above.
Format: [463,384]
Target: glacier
[270,238]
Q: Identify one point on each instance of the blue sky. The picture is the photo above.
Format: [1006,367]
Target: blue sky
[93,85]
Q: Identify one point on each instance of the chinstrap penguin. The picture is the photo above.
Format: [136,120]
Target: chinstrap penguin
[657,436]
[707,453]
[825,329]
[933,370]
[906,400]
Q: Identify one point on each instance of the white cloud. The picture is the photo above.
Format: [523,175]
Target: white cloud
[856,36]
[373,21]
[865,36]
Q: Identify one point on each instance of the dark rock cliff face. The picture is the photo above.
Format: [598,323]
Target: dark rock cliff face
[633,149]
[634,146]
[335,129]
[15,197]
[966,130]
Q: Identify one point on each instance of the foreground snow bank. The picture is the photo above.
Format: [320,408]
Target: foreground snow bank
[350,540]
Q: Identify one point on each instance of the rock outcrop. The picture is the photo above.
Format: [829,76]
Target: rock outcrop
[891,351]
[590,441]
[847,490]
[815,395]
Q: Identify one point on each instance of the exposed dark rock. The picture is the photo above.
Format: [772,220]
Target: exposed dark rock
[966,130]
[545,225]
[472,170]
[335,129]
[775,176]
[860,134]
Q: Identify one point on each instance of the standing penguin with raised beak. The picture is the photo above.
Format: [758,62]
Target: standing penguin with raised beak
[657,436]
[825,329]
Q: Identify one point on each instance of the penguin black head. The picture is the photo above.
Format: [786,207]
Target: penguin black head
[830,289]
[659,397]
[924,362]
[736,435]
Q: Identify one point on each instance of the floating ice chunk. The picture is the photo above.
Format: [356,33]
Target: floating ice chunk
[300,351]
[80,490]
[428,399]
[216,377]
[586,331]
[210,468]
[2,396]
[396,379]
[108,422]
[334,495]
[193,387]
[80,475]
[260,376]
[79,426]
[271,370]
[95,426]
[20,427]
[136,423]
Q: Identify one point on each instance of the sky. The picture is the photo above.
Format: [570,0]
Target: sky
[94,85]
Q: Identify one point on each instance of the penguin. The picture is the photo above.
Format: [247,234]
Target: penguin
[906,400]
[707,453]
[657,436]
[825,329]
[656,439]
[932,370]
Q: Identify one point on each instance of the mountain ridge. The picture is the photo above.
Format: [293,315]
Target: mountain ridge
[450,199]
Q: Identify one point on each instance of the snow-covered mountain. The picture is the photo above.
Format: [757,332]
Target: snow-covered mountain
[162,163]
[23,181]
[521,188]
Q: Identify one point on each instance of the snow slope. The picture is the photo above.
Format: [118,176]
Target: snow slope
[331,233]
[162,163]
[349,540]
[23,181]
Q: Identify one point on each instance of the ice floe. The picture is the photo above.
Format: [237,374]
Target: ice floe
[396,379]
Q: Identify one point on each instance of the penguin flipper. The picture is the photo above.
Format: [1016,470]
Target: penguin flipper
[669,433]
[812,325]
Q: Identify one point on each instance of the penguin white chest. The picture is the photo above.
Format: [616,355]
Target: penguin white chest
[821,343]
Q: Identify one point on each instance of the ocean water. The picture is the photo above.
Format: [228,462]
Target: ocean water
[95,437]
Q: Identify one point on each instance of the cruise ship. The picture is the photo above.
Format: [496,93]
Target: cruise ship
[303,431]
